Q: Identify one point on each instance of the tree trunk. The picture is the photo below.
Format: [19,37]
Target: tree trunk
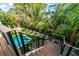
[73,38]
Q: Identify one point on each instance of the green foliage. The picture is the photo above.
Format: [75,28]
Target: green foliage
[64,30]
[33,11]
[32,25]
[64,20]
[42,27]
[34,38]
[7,19]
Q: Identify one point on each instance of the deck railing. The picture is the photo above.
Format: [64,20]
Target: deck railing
[23,49]
[42,39]
[70,50]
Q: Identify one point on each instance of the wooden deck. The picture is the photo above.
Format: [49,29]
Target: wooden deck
[5,49]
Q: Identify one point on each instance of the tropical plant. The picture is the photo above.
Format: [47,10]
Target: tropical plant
[32,11]
[64,30]
[67,14]
[64,20]
[42,27]
[7,19]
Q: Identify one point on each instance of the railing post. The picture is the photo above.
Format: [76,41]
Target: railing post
[42,42]
[31,46]
[36,44]
[62,49]
[61,42]
[17,37]
[5,38]
[22,42]
[70,49]
[13,44]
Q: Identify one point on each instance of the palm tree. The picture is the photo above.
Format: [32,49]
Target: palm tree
[31,11]
[67,14]
[7,19]
[42,27]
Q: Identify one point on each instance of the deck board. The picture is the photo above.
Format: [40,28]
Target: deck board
[5,49]
[1,51]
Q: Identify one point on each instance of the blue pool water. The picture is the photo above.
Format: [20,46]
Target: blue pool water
[25,38]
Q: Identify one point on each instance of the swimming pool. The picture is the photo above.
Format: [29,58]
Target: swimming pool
[25,38]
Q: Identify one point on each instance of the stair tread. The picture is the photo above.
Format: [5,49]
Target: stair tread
[46,52]
[38,53]
[49,49]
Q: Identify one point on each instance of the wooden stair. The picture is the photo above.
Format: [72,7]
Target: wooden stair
[49,49]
